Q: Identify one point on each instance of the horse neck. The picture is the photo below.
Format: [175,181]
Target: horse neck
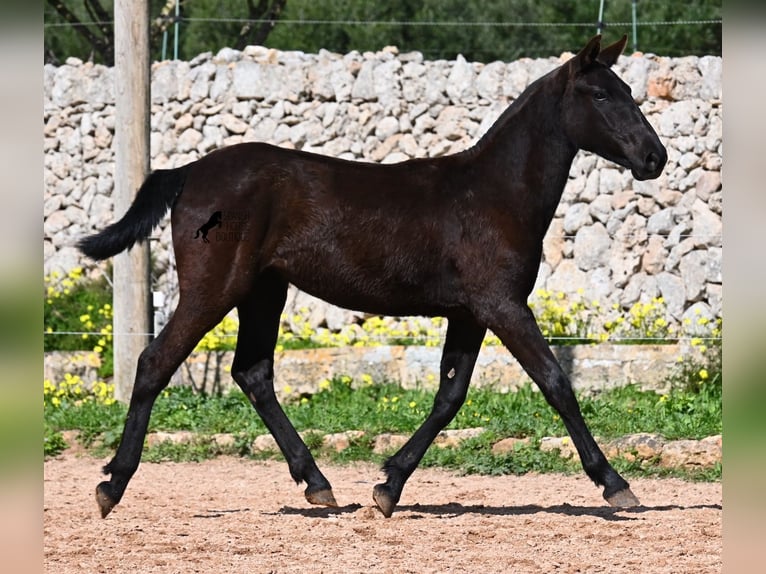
[527,150]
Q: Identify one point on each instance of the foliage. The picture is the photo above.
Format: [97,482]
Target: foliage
[705,372]
[296,332]
[77,315]
[180,408]
[53,441]
[221,337]
[483,30]
[199,35]
[677,414]
[341,405]
[566,320]
[198,450]
[645,322]
[475,456]
[72,390]
[70,404]
[563,320]
[79,38]
[85,28]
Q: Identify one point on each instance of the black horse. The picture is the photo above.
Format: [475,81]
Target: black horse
[457,236]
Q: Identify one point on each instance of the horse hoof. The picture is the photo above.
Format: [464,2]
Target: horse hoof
[322,497]
[386,502]
[104,499]
[623,499]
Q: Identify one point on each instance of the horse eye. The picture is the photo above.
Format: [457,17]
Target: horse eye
[600,96]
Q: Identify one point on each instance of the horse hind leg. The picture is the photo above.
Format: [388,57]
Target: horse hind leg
[156,364]
[461,349]
[253,371]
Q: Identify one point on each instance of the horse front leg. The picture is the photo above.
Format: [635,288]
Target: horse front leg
[517,329]
[461,349]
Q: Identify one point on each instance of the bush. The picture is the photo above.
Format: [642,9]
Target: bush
[73,391]
[703,374]
[78,316]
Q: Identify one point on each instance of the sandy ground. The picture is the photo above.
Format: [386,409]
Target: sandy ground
[232,515]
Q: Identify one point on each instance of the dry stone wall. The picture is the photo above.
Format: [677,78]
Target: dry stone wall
[615,239]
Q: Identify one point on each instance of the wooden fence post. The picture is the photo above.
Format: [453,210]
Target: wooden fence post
[132,84]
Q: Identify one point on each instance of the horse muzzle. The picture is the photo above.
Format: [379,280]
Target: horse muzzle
[652,164]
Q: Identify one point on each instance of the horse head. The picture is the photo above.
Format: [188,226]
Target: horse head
[600,115]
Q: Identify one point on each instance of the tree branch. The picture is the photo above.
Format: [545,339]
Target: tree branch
[103,45]
[69,16]
[252,35]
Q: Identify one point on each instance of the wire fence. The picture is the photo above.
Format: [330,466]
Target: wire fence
[177,23]
[415,338]
[398,23]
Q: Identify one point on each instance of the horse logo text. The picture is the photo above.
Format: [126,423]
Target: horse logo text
[232,226]
[215,220]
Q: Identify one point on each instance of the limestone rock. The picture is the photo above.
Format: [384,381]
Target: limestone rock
[641,446]
[508,445]
[342,440]
[692,453]
[454,437]
[387,443]
[563,445]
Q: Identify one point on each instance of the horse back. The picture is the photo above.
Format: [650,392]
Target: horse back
[379,238]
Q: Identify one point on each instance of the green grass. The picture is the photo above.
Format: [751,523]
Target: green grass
[689,413]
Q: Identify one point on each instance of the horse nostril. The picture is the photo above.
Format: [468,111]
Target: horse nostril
[652,161]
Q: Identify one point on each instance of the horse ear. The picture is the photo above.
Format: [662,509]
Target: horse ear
[588,54]
[608,56]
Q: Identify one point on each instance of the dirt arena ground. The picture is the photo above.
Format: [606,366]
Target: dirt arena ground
[231,515]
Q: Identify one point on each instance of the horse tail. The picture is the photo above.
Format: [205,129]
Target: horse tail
[157,194]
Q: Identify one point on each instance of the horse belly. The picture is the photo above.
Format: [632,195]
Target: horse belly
[378,287]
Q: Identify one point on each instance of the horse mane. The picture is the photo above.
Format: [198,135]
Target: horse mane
[513,110]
